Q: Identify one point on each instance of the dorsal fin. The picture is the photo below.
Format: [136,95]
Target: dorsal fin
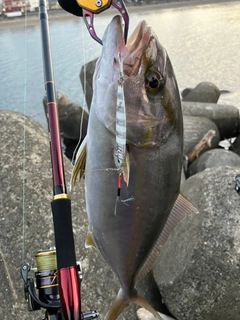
[79,167]
[181,209]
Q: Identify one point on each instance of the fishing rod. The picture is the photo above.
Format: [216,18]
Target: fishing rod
[58,275]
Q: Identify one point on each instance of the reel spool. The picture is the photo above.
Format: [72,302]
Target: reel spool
[46,276]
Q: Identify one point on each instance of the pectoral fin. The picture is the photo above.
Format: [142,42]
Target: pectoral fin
[89,242]
[181,209]
[79,167]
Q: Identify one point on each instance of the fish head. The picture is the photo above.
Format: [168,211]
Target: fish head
[152,101]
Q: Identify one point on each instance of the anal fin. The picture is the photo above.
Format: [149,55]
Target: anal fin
[79,167]
[181,209]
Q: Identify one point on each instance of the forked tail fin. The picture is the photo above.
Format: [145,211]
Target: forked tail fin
[144,304]
[117,307]
[121,302]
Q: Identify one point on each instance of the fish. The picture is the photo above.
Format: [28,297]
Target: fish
[130,233]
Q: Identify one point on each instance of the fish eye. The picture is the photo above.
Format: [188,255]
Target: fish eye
[154,81]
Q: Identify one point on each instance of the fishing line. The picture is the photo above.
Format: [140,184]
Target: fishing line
[84,94]
[24,135]
[46,260]
[84,67]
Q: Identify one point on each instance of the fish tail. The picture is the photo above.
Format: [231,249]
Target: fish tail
[119,304]
[122,301]
[142,302]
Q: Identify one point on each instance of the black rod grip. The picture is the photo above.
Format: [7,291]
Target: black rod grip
[64,240]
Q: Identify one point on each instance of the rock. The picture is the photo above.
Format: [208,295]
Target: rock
[225,117]
[214,158]
[26,222]
[70,116]
[203,92]
[86,78]
[198,267]
[194,130]
[143,314]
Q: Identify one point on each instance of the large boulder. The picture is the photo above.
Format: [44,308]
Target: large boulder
[225,117]
[26,222]
[203,92]
[214,158]
[198,267]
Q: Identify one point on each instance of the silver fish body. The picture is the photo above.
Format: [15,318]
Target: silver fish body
[154,137]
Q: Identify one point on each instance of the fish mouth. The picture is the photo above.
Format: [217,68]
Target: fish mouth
[131,52]
[136,46]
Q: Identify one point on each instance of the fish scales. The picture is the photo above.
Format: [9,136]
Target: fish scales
[154,138]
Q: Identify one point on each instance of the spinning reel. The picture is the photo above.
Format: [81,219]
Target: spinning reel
[46,278]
